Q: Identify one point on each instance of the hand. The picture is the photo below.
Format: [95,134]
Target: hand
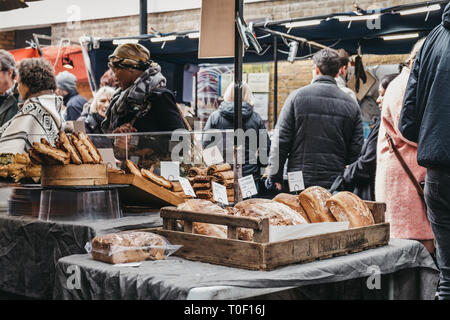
[278,186]
[125,128]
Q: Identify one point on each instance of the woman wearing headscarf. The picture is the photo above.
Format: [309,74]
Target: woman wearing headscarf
[39,116]
[404,207]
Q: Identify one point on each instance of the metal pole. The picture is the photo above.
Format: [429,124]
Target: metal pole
[275,81]
[238,59]
[143,17]
[196,95]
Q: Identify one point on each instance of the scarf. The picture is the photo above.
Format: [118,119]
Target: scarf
[132,102]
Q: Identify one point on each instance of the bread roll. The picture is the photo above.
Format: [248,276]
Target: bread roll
[125,247]
[279,214]
[204,206]
[218,168]
[346,206]
[292,202]
[313,200]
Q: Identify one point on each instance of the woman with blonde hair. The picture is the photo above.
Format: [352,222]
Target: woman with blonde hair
[223,119]
[97,110]
[405,209]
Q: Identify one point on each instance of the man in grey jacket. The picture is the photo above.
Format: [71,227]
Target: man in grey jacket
[9,96]
[319,130]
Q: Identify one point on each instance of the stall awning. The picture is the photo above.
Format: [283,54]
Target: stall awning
[349,30]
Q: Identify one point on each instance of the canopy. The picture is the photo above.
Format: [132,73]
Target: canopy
[51,53]
[7,5]
[366,35]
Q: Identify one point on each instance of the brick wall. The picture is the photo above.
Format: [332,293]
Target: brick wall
[7,40]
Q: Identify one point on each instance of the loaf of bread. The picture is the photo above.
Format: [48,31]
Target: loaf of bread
[161,181]
[218,168]
[202,179]
[132,168]
[313,201]
[204,206]
[201,186]
[346,206]
[279,214]
[293,202]
[125,247]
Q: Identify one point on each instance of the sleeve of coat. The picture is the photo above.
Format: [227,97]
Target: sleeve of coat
[362,168]
[357,139]
[410,118]
[282,140]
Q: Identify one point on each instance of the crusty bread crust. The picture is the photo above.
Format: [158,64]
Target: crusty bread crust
[313,200]
[293,202]
[161,181]
[133,168]
[346,206]
[58,155]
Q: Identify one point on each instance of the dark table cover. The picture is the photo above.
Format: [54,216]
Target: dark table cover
[30,248]
[174,277]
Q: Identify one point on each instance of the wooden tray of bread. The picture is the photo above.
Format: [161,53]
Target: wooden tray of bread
[220,236]
[146,188]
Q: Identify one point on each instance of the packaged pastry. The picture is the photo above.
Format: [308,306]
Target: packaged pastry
[130,246]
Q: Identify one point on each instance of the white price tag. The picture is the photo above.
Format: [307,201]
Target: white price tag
[220,193]
[79,126]
[248,186]
[212,156]
[295,180]
[170,170]
[186,185]
[108,157]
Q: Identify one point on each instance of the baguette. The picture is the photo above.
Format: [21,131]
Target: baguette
[91,148]
[161,181]
[67,146]
[60,156]
[82,149]
[133,168]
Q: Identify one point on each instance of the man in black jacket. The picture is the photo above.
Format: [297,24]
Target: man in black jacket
[9,95]
[425,119]
[319,130]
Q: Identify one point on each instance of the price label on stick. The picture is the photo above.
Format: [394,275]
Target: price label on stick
[295,180]
[212,156]
[170,170]
[219,193]
[248,186]
[187,188]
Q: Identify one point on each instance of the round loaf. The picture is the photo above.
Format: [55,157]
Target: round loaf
[292,202]
[313,200]
[346,206]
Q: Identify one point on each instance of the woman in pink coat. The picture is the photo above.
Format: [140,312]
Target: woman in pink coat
[405,210]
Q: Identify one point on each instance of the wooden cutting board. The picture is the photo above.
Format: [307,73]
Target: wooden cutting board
[143,191]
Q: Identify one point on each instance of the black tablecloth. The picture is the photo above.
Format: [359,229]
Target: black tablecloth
[81,277]
[30,249]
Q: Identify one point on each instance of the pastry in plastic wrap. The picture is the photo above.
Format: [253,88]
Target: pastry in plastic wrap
[279,214]
[346,206]
[205,206]
[130,246]
[313,200]
[293,202]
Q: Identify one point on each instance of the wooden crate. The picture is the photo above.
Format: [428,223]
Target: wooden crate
[260,254]
[143,192]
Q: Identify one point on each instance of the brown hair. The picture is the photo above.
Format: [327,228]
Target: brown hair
[37,74]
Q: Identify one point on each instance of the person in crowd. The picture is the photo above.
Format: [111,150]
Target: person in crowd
[223,119]
[107,80]
[143,103]
[319,129]
[405,209]
[9,95]
[425,119]
[97,111]
[67,88]
[359,177]
[341,78]
[40,114]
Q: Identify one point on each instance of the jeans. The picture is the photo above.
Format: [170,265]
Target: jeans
[437,198]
